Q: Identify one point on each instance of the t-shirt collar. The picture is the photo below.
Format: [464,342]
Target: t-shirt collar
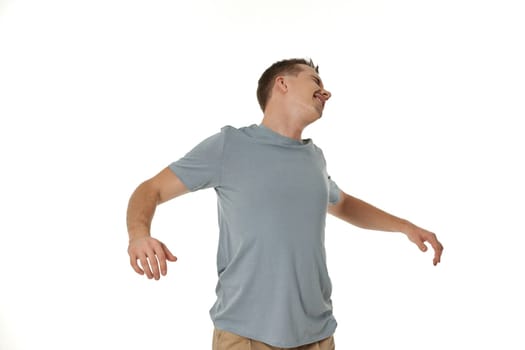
[268,133]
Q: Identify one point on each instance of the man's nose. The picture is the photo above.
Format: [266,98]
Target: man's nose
[326,94]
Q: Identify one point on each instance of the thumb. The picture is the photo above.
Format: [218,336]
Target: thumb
[419,242]
[169,255]
[422,246]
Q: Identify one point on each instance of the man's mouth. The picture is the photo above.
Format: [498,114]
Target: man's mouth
[320,98]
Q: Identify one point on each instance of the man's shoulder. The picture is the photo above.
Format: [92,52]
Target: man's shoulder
[225,131]
[238,134]
[233,129]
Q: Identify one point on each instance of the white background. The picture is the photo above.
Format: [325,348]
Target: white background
[97,96]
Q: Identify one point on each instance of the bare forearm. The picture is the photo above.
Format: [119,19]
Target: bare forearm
[143,202]
[141,208]
[364,215]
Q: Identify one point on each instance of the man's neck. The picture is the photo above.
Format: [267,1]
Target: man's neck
[283,127]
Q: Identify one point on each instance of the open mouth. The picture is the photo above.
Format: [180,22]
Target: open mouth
[319,98]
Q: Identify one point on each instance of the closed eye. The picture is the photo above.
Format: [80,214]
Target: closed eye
[317,81]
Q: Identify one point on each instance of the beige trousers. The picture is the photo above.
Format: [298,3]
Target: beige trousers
[223,340]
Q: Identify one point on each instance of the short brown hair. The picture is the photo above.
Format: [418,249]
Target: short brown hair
[288,66]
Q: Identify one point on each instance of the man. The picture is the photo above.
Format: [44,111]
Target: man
[273,192]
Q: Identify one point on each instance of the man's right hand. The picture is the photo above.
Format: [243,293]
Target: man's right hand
[152,255]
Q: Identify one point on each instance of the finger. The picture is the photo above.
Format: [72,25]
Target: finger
[164,255]
[161,258]
[135,265]
[154,264]
[145,266]
[438,250]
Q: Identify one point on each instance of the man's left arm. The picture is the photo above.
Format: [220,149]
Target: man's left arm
[366,216]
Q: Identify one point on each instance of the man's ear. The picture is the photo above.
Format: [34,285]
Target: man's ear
[280,84]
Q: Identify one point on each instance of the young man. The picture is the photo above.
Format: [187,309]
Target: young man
[273,194]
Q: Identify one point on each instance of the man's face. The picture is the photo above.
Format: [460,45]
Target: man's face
[306,93]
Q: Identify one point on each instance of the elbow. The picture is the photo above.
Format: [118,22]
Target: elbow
[149,190]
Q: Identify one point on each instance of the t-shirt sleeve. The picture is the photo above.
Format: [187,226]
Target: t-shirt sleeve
[201,167]
[335,192]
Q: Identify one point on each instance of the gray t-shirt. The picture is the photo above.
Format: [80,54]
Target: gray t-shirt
[273,193]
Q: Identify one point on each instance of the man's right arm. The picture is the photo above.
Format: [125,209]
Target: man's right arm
[151,253]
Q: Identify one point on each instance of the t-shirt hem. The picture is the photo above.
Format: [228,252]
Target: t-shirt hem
[329,332]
